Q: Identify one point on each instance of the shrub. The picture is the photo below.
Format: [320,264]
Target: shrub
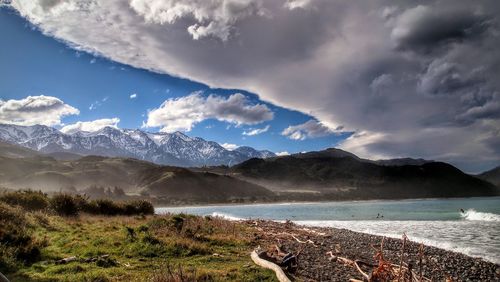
[65,205]
[138,207]
[178,222]
[17,245]
[103,206]
[27,199]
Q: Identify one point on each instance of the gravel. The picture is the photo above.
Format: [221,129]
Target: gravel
[314,264]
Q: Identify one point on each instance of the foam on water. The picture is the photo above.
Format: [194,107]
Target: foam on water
[225,216]
[471,214]
[476,239]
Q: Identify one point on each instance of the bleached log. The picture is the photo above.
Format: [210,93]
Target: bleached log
[66,260]
[280,274]
[303,242]
[3,278]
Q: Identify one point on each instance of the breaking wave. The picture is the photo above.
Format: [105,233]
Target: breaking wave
[471,214]
[225,216]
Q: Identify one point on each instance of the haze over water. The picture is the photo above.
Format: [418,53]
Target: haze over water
[435,222]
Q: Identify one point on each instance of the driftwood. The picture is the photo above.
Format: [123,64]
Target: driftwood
[303,242]
[385,270]
[3,278]
[280,274]
[289,261]
[67,260]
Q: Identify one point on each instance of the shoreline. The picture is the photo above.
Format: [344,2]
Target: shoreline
[314,242]
[312,202]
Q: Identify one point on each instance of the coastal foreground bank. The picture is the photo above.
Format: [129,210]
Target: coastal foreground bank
[70,238]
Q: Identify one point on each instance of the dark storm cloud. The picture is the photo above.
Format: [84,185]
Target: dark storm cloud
[411,79]
[427,28]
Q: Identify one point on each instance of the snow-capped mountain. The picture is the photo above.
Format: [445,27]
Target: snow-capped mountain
[162,148]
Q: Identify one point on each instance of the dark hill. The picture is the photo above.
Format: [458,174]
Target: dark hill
[492,176]
[171,184]
[345,176]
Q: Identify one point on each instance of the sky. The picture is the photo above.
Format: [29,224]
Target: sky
[381,79]
[33,64]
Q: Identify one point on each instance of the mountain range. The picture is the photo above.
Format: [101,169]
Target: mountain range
[175,148]
[22,168]
[330,174]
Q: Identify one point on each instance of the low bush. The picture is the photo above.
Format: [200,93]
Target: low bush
[103,207]
[65,205]
[17,244]
[138,207]
[108,207]
[27,199]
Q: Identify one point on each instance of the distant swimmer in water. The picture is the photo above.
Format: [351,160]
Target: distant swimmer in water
[462,211]
[378,215]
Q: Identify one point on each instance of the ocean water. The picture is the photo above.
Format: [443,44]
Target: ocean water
[435,222]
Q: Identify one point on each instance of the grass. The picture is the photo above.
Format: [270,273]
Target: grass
[139,248]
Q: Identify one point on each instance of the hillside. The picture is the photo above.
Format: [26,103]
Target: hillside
[336,174]
[168,184]
[13,151]
[492,176]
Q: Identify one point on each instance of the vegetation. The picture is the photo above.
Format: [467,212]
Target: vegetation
[17,244]
[72,204]
[28,200]
[76,239]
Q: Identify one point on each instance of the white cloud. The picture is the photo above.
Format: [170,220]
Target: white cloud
[212,18]
[256,131]
[90,126]
[322,61]
[46,110]
[294,4]
[181,114]
[133,96]
[309,129]
[284,153]
[229,146]
[98,103]
[359,143]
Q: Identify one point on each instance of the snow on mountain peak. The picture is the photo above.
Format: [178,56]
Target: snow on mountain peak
[163,148]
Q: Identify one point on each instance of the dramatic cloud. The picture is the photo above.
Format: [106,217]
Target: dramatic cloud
[90,126]
[133,96]
[422,27]
[309,129]
[212,18]
[229,146]
[394,69]
[32,110]
[181,114]
[256,131]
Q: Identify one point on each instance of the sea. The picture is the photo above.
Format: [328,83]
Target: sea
[467,225]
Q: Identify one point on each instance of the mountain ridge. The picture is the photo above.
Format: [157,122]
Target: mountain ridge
[159,183]
[162,148]
[492,175]
[339,175]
